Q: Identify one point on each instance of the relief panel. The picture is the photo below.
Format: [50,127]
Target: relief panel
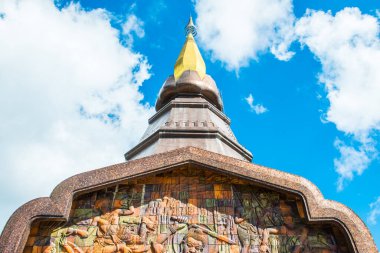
[186,211]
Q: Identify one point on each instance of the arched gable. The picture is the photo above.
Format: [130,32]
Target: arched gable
[291,197]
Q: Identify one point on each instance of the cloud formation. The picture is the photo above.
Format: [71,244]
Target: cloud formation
[257,108]
[348,46]
[70,96]
[236,32]
[375,212]
[133,26]
[352,160]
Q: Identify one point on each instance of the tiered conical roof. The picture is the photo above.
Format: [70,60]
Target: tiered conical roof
[189,111]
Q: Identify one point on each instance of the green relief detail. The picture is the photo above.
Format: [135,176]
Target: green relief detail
[223,249]
[183,195]
[318,241]
[87,241]
[130,219]
[61,232]
[83,213]
[288,243]
[202,219]
[210,202]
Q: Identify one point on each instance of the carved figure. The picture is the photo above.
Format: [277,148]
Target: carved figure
[248,235]
[194,242]
[265,246]
[67,245]
[107,240]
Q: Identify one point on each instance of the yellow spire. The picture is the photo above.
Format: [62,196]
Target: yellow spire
[190,58]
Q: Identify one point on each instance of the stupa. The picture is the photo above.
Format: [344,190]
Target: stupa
[187,187]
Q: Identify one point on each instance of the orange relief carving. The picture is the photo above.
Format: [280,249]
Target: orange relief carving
[185,212]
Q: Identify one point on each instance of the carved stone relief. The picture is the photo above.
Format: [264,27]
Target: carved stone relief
[186,211]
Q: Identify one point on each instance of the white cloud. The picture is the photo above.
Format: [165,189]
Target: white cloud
[352,160]
[347,44]
[236,32]
[375,212]
[133,25]
[69,95]
[258,108]
[348,47]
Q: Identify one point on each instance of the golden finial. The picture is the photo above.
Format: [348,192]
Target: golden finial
[190,58]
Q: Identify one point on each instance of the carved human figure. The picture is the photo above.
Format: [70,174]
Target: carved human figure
[253,239]
[107,239]
[64,243]
[158,246]
[248,235]
[293,236]
[138,243]
[265,246]
[194,241]
[266,213]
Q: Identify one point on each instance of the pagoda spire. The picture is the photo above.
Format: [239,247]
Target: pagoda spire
[190,58]
[190,28]
[189,111]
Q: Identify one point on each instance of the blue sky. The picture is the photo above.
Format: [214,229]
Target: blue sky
[67,67]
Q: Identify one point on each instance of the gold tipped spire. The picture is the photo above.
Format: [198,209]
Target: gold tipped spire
[190,27]
[190,58]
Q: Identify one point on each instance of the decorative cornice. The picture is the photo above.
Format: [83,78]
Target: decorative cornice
[194,104]
[58,205]
[189,133]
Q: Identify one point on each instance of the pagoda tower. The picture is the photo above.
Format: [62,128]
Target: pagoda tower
[189,111]
[187,187]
